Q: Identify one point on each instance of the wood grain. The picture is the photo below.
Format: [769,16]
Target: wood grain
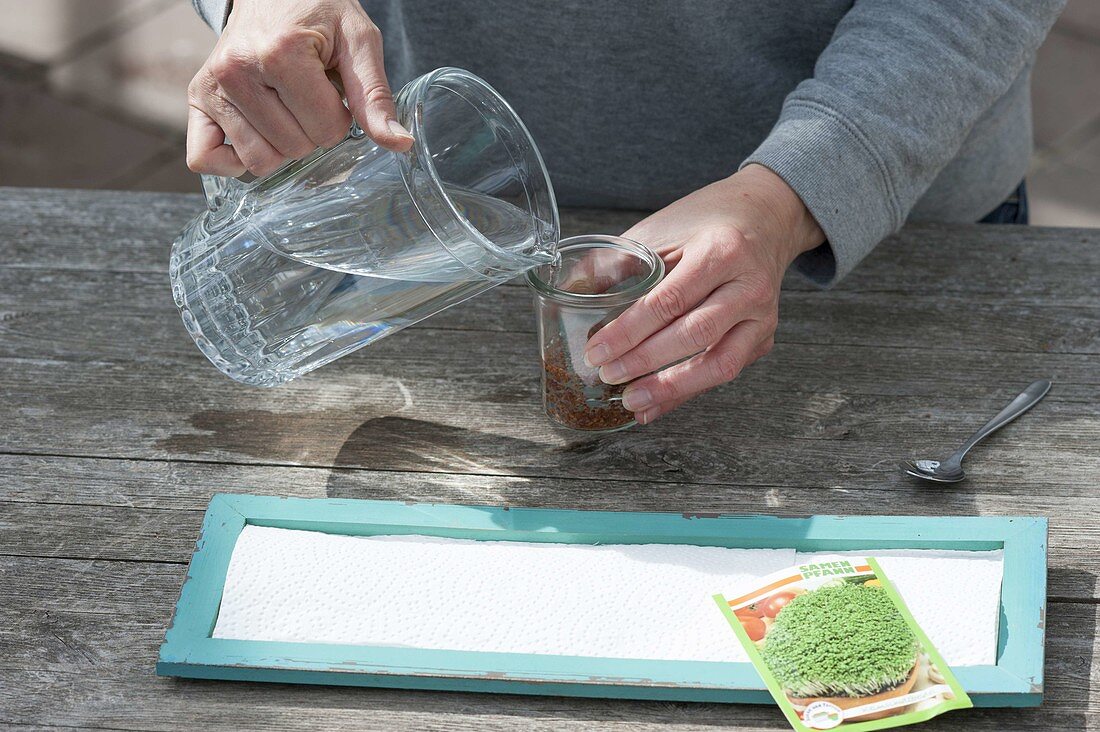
[72,671]
[115,432]
[95,307]
[483,416]
[132,232]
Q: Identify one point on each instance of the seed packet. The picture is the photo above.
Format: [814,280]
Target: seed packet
[837,647]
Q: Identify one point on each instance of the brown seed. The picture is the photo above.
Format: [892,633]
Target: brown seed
[567,400]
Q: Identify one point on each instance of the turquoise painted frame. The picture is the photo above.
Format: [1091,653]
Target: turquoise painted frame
[189,651]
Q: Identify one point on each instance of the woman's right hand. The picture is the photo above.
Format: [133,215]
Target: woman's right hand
[266,86]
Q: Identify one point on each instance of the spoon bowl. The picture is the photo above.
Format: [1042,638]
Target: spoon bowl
[950,470]
[931,470]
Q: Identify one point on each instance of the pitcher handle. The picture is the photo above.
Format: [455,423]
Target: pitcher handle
[224,195]
[220,190]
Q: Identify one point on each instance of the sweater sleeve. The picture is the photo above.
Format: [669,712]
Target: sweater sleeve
[213,12]
[892,99]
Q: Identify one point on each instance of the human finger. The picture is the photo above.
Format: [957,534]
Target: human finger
[206,148]
[695,331]
[693,279]
[717,365]
[257,154]
[316,103]
[650,415]
[264,110]
[206,94]
[362,72]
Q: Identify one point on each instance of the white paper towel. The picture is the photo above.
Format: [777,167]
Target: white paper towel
[955,597]
[649,601]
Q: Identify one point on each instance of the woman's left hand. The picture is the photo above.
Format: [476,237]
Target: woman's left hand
[726,247]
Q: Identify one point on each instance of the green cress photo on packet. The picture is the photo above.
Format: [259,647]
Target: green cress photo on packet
[837,647]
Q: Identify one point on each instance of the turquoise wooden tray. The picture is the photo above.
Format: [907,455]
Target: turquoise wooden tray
[188,649]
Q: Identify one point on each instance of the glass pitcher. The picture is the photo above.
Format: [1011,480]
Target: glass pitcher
[334,251]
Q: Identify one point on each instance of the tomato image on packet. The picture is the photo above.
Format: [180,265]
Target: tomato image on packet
[837,648]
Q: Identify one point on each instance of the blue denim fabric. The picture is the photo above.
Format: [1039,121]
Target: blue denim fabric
[1012,211]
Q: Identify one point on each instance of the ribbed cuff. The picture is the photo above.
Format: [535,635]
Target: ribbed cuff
[842,180]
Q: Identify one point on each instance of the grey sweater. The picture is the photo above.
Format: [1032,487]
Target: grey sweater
[874,111]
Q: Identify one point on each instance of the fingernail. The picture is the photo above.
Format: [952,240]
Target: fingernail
[596,356]
[398,129]
[648,416]
[636,399]
[613,373]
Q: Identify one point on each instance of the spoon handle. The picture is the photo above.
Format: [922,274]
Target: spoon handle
[1027,399]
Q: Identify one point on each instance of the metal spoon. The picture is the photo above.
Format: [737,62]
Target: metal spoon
[594,400]
[950,470]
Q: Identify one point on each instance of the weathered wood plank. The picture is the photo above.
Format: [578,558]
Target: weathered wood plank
[144,702]
[187,486]
[77,229]
[102,313]
[74,671]
[104,588]
[484,417]
[447,372]
[119,509]
[31,334]
[128,231]
[153,356]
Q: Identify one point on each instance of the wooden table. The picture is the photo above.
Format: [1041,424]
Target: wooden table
[115,431]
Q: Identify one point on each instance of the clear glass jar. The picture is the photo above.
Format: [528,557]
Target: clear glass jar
[596,278]
[354,243]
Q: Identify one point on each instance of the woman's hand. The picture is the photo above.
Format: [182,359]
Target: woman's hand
[726,247]
[266,87]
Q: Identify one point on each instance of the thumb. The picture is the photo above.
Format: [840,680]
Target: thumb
[363,76]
